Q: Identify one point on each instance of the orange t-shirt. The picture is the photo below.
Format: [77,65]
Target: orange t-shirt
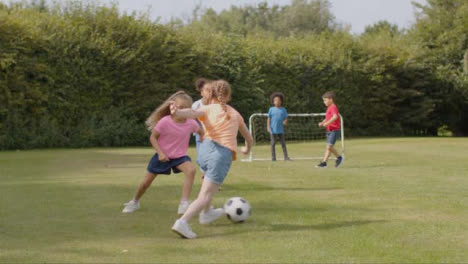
[219,130]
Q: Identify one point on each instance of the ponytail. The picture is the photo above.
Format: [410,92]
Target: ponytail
[222,91]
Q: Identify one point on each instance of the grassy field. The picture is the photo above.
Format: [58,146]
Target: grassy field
[394,200]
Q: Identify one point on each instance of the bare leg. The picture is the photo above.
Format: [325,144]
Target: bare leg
[333,150]
[144,185]
[203,200]
[327,153]
[189,170]
[208,206]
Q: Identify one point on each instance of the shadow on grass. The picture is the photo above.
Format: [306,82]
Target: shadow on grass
[324,226]
[256,187]
[248,227]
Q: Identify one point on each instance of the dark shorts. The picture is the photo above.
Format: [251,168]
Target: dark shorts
[332,136]
[156,166]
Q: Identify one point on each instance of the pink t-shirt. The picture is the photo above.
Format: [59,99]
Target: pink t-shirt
[333,110]
[174,137]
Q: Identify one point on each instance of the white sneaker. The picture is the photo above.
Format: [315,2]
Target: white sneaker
[183,229]
[210,216]
[131,207]
[183,206]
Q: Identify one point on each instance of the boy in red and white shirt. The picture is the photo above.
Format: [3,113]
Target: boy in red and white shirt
[332,122]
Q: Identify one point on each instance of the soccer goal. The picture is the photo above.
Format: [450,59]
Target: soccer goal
[304,139]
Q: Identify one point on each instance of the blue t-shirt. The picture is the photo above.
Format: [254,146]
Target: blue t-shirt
[277,116]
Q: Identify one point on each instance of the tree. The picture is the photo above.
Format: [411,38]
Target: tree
[442,30]
[383,26]
[305,16]
[300,18]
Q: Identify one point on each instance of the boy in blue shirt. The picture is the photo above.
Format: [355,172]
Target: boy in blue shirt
[277,119]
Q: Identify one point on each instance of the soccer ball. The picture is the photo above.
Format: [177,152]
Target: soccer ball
[237,209]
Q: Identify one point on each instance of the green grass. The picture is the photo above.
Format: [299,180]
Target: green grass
[394,200]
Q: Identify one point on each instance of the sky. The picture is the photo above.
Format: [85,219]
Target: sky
[356,13]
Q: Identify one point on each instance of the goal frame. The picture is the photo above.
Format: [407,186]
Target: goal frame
[251,155]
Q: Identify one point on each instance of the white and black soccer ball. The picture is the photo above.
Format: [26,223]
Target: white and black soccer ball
[237,209]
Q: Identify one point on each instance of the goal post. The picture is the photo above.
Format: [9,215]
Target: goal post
[304,139]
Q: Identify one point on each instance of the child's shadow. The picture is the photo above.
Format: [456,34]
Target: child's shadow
[257,188]
[289,227]
[324,226]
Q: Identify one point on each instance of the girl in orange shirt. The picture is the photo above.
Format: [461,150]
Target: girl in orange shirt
[217,151]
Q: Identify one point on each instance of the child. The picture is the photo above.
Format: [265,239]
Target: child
[277,119]
[170,138]
[333,124]
[217,151]
[200,87]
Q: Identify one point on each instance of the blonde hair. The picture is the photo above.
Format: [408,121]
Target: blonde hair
[164,109]
[221,91]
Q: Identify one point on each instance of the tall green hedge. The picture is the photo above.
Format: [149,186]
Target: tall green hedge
[82,75]
[85,76]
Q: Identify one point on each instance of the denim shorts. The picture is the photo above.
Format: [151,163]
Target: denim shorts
[332,136]
[215,160]
[156,166]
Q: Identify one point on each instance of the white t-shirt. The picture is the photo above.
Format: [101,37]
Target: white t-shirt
[197,104]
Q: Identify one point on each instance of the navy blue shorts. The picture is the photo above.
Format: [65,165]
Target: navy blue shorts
[332,136]
[156,166]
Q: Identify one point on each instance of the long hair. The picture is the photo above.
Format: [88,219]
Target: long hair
[221,90]
[164,109]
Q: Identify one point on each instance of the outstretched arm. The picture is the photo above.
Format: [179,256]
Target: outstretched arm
[186,112]
[248,138]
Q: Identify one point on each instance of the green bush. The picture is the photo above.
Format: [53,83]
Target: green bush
[81,75]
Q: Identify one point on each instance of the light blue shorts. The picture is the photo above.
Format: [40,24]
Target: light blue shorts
[215,160]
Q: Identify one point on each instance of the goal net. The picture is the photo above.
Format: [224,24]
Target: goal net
[304,138]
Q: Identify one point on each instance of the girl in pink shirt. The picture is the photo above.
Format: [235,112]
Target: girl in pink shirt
[217,151]
[170,137]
